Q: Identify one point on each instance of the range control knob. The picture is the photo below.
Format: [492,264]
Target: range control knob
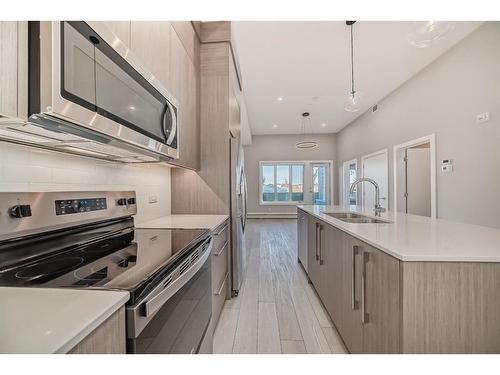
[121,202]
[131,201]
[19,211]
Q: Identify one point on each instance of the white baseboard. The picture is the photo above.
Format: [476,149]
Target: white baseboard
[271,215]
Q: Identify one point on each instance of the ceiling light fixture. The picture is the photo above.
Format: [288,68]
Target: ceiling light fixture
[275,126]
[323,125]
[352,100]
[304,142]
[426,33]
[280,98]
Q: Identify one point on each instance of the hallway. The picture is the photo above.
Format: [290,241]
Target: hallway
[277,310]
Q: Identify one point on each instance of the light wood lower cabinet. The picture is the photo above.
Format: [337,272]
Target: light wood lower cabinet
[380,304]
[108,338]
[220,271]
[359,287]
[302,237]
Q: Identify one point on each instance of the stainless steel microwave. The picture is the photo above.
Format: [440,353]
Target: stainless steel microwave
[85,82]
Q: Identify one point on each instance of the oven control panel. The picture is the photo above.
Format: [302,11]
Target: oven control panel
[74,206]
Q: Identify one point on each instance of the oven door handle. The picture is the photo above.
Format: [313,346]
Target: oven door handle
[156,302]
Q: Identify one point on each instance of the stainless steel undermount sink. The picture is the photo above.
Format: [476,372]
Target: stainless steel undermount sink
[351,217]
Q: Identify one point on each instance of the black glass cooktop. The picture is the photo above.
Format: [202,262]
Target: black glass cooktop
[107,255]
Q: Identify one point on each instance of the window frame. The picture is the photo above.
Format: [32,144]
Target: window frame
[275,164]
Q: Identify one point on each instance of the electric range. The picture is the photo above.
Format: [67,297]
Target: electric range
[88,240]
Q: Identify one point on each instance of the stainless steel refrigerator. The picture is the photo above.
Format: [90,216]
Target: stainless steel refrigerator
[238,215]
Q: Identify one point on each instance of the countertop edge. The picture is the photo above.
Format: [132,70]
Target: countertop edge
[394,254]
[219,219]
[72,342]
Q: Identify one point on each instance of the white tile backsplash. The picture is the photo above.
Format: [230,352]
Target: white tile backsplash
[28,169]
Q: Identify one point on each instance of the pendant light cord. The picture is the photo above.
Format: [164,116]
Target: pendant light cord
[352,64]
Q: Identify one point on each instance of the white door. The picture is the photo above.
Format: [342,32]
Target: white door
[418,181]
[375,166]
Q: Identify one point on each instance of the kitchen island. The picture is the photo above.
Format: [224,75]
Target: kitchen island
[407,284]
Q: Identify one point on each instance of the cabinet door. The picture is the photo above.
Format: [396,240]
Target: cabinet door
[332,273]
[150,41]
[313,270]
[121,29]
[184,85]
[302,231]
[381,331]
[8,68]
[350,327]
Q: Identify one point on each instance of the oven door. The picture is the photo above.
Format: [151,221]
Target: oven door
[100,84]
[175,316]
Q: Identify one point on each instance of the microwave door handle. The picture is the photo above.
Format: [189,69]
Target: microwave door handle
[169,113]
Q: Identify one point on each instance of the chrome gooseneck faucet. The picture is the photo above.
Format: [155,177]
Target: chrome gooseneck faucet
[378,208]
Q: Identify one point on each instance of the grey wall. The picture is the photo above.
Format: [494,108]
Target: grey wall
[444,99]
[281,148]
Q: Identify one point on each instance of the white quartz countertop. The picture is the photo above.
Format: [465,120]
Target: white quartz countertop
[40,320]
[417,238]
[210,222]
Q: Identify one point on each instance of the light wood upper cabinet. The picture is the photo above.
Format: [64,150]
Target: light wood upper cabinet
[184,85]
[150,41]
[121,29]
[13,69]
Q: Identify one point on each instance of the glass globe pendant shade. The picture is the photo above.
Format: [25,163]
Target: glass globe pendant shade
[428,32]
[352,102]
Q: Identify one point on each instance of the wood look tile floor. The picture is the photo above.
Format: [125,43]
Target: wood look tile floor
[277,310]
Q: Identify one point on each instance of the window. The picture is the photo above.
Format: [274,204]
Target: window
[282,183]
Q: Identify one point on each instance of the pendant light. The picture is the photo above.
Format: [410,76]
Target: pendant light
[352,100]
[304,142]
[426,33]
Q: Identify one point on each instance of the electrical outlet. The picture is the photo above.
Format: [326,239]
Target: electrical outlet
[153,199]
[483,117]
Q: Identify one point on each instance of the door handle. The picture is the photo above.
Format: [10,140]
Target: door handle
[364,314]
[354,303]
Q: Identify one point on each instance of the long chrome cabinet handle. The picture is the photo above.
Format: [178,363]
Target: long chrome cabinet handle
[219,291]
[354,303]
[317,242]
[222,249]
[320,262]
[364,314]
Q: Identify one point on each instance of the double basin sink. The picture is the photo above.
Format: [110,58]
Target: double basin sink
[351,217]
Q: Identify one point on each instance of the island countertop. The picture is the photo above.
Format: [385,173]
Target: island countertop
[416,238]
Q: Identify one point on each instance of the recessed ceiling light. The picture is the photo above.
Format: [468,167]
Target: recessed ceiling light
[275,126]
[323,125]
[280,98]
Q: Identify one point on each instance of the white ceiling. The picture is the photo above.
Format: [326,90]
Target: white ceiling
[308,64]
